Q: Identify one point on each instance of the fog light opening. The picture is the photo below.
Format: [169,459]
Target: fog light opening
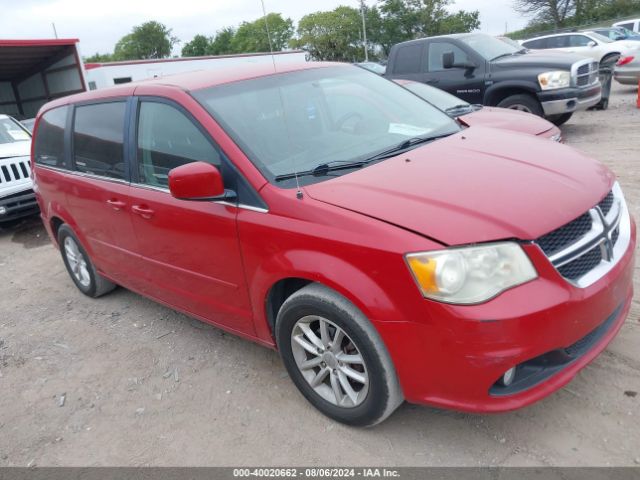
[508,377]
[3,210]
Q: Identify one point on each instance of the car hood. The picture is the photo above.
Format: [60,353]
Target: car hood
[539,58]
[479,185]
[15,149]
[508,119]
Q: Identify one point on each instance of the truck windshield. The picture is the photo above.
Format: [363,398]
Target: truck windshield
[328,116]
[11,132]
[490,47]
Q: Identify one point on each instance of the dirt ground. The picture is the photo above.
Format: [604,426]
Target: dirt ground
[124,381]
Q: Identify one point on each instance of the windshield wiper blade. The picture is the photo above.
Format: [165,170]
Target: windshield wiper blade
[462,106]
[325,168]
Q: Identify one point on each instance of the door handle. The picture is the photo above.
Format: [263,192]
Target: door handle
[144,212]
[116,204]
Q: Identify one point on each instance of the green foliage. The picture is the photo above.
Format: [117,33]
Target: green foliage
[148,40]
[221,43]
[99,58]
[198,47]
[252,36]
[549,15]
[333,36]
[337,35]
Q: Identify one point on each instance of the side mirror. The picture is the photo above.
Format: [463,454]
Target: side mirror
[447,59]
[197,181]
[591,44]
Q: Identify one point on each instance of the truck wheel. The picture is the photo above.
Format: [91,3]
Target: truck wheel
[522,102]
[79,265]
[559,119]
[336,358]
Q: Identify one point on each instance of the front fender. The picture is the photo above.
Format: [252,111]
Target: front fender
[345,278]
[494,90]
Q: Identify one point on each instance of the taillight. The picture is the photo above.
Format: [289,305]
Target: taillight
[624,61]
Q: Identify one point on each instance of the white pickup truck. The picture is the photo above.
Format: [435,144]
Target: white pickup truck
[16,190]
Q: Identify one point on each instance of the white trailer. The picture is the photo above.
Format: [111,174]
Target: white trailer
[33,72]
[108,74]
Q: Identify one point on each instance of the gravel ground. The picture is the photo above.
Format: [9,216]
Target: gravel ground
[124,381]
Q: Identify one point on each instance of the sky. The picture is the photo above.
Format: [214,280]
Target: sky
[99,25]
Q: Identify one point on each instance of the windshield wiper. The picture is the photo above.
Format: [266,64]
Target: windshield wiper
[324,168]
[455,108]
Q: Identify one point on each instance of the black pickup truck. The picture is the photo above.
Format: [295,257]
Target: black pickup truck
[484,70]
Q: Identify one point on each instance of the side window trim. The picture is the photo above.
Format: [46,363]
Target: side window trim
[228,169]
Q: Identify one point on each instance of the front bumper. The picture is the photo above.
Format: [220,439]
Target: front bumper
[568,100]
[455,359]
[18,205]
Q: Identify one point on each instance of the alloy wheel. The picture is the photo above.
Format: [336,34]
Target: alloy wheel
[330,361]
[77,262]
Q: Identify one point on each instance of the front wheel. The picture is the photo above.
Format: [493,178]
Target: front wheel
[336,358]
[523,103]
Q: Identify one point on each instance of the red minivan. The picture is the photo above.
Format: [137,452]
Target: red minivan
[387,251]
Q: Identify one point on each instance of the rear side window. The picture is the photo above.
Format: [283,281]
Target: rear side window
[578,41]
[538,44]
[168,139]
[98,139]
[408,59]
[49,140]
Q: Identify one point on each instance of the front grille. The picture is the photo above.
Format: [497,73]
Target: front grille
[587,74]
[13,171]
[590,242]
[566,235]
[581,265]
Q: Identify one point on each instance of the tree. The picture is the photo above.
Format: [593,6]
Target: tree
[99,58]
[221,43]
[252,36]
[197,47]
[333,36]
[403,20]
[547,11]
[148,40]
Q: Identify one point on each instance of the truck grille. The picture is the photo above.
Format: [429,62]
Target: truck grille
[587,74]
[16,170]
[586,248]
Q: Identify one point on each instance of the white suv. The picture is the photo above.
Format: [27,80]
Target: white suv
[16,190]
[589,44]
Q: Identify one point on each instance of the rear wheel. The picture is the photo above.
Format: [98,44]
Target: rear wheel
[522,102]
[560,119]
[336,358]
[79,265]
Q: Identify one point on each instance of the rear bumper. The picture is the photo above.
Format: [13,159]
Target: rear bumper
[569,100]
[18,205]
[627,76]
[548,329]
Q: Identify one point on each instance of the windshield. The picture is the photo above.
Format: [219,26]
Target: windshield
[439,98]
[11,131]
[296,121]
[600,38]
[489,47]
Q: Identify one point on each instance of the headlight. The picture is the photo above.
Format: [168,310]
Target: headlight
[551,80]
[470,274]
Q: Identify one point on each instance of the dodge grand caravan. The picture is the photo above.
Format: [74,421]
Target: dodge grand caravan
[388,252]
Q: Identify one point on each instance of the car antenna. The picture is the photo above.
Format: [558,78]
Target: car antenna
[299,194]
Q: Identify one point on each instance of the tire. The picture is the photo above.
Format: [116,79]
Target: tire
[79,265]
[374,395]
[560,119]
[523,102]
